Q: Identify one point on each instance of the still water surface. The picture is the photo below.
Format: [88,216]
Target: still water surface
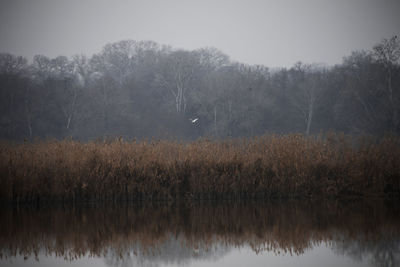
[319,233]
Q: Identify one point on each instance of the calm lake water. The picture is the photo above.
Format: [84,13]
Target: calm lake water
[312,233]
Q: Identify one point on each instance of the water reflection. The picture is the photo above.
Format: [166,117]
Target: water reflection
[152,235]
[382,252]
[174,251]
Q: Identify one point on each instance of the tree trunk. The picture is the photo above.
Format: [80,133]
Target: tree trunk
[215,121]
[310,116]
[311,104]
[393,110]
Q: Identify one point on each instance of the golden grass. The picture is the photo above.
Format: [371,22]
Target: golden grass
[264,167]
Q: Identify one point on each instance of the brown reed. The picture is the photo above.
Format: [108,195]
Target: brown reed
[271,166]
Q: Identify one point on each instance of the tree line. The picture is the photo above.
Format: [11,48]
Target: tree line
[141,89]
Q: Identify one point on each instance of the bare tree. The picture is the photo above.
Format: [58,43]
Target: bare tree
[307,92]
[177,76]
[14,86]
[10,64]
[388,53]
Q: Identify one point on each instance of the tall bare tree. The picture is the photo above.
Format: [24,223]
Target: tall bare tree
[177,76]
[388,53]
[308,91]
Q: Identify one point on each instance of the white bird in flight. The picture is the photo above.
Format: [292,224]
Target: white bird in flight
[194,120]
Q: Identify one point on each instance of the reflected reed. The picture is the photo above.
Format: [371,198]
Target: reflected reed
[151,230]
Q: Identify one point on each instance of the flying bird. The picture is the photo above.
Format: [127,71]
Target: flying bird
[194,120]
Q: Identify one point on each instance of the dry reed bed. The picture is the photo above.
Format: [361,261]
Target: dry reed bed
[264,167]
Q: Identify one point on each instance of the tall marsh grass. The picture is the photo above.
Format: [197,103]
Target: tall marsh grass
[270,166]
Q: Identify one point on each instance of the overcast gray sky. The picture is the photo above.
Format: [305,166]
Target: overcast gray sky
[275,33]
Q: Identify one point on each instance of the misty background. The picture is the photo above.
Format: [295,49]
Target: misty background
[244,68]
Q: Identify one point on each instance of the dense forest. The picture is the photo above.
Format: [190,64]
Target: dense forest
[143,89]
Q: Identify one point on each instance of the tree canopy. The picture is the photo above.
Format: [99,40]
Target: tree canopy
[141,89]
